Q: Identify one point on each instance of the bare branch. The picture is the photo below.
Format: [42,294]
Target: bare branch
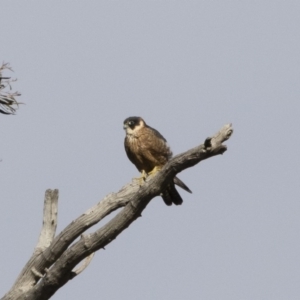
[49,220]
[62,256]
[25,281]
[84,265]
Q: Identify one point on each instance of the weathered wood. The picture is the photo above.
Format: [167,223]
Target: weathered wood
[49,220]
[38,281]
[30,273]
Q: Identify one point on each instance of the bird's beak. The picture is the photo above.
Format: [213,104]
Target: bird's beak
[125,126]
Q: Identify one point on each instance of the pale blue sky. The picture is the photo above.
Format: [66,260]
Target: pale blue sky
[187,68]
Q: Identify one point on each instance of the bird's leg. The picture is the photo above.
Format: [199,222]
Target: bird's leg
[154,170]
[144,175]
[142,178]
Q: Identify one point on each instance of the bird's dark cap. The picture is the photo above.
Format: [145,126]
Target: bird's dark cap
[132,122]
[133,119]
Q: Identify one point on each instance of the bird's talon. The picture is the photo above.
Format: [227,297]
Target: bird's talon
[154,171]
[142,178]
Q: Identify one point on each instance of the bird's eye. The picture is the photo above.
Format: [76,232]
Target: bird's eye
[130,123]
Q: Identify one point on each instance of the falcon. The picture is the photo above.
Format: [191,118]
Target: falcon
[148,150]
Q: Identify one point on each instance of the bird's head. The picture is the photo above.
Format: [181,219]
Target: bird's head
[133,124]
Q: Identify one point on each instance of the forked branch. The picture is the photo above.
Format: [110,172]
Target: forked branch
[52,266]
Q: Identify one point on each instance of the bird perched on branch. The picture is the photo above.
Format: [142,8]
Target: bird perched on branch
[148,150]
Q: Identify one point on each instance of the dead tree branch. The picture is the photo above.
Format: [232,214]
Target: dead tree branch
[49,220]
[52,263]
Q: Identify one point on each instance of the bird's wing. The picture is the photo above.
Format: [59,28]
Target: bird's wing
[154,146]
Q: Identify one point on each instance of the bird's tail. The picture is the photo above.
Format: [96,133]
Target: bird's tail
[178,182]
[170,195]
